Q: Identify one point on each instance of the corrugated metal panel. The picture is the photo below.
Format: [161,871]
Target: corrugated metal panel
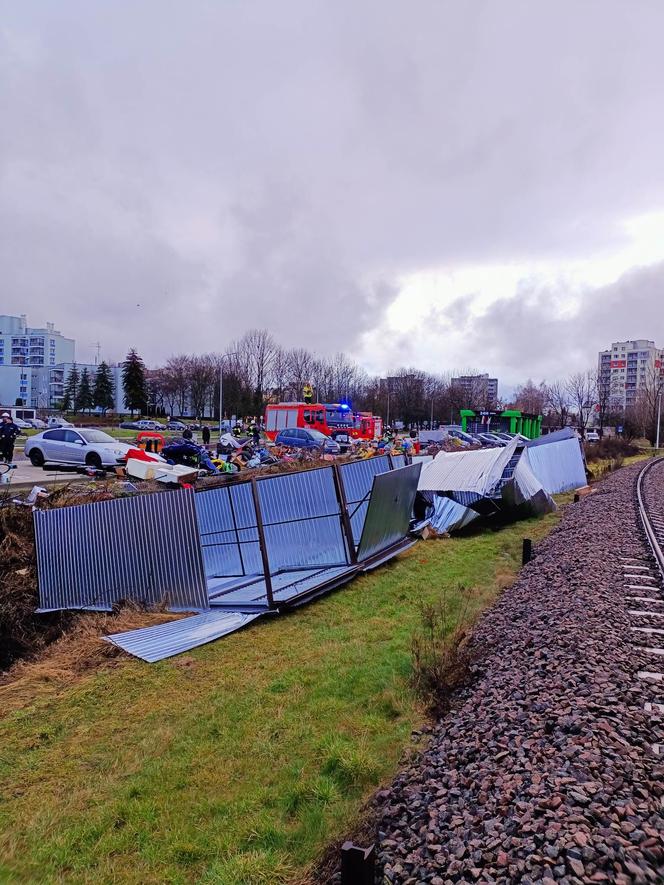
[229,534]
[165,640]
[398,461]
[475,471]
[390,509]
[449,516]
[357,478]
[558,466]
[302,520]
[556,436]
[144,548]
[285,586]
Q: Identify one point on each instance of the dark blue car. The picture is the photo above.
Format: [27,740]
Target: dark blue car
[303,438]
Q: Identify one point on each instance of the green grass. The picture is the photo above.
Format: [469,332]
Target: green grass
[240,762]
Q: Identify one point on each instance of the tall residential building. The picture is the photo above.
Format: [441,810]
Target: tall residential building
[35,364]
[480,390]
[22,345]
[629,366]
[24,349]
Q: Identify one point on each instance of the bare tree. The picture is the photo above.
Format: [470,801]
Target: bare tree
[530,397]
[580,389]
[557,399]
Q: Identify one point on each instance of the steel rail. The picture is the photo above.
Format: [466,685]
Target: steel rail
[651,535]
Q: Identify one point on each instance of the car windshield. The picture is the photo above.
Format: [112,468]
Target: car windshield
[316,434]
[96,436]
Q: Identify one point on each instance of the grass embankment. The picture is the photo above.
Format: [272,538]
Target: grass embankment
[239,762]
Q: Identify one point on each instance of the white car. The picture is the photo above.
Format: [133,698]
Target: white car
[147,424]
[75,447]
[54,421]
[592,436]
[21,424]
[37,423]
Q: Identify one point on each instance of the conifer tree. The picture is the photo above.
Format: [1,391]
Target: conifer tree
[104,391]
[134,383]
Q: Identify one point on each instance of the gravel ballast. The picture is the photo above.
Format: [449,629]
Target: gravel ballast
[546,769]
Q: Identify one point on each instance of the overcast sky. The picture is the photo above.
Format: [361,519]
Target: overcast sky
[441,184]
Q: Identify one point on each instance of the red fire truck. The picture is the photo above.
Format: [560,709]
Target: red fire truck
[331,418]
[367,426]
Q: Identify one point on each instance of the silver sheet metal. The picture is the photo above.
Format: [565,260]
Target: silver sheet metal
[145,548]
[357,478]
[398,461]
[165,640]
[477,471]
[302,520]
[229,533]
[252,595]
[389,511]
[448,516]
[558,465]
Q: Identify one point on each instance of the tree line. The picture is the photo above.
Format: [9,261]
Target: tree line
[255,370]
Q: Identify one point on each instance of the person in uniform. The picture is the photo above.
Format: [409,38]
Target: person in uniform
[8,433]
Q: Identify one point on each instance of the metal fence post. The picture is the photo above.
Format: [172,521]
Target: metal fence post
[358,865]
[345,518]
[261,542]
[527,551]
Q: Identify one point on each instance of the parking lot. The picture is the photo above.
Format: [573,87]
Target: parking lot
[26,475]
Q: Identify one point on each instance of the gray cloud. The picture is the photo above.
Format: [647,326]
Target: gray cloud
[227,165]
[531,331]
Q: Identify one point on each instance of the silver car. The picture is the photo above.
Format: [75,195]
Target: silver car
[75,447]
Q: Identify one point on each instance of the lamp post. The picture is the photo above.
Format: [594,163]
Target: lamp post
[659,419]
[221,388]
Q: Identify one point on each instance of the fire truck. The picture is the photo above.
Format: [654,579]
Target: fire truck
[331,419]
[367,426]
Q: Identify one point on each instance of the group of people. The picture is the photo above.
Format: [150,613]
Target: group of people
[8,433]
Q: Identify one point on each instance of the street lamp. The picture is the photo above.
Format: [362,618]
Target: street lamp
[221,387]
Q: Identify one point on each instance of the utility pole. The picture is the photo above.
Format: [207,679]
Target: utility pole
[659,419]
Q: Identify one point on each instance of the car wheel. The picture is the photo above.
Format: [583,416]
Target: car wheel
[36,458]
[93,460]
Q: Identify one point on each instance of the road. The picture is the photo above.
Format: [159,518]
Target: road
[26,476]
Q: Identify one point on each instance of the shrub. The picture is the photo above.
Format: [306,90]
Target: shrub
[441,656]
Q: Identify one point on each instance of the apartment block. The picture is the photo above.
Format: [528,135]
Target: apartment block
[480,390]
[629,366]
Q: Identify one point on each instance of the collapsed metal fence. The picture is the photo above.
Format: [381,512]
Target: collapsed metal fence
[250,546]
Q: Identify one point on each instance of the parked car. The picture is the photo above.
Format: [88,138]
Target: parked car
[491,439]
[129,425]
[464,439]
[21,424]
[37,423]
[179,426]
[75,447]
[508,437]
[147,424]
[303,438]
[57,421]
[592,436]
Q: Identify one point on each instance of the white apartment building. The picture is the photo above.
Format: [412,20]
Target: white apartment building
[628,366]
[35,364]
[23,349]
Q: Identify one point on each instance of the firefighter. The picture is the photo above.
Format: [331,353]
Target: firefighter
[308,393]
[8,433]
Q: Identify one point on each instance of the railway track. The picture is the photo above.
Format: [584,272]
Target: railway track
[652,518]
[550,766]
[645,585]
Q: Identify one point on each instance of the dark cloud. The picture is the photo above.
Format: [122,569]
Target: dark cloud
[228,165]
